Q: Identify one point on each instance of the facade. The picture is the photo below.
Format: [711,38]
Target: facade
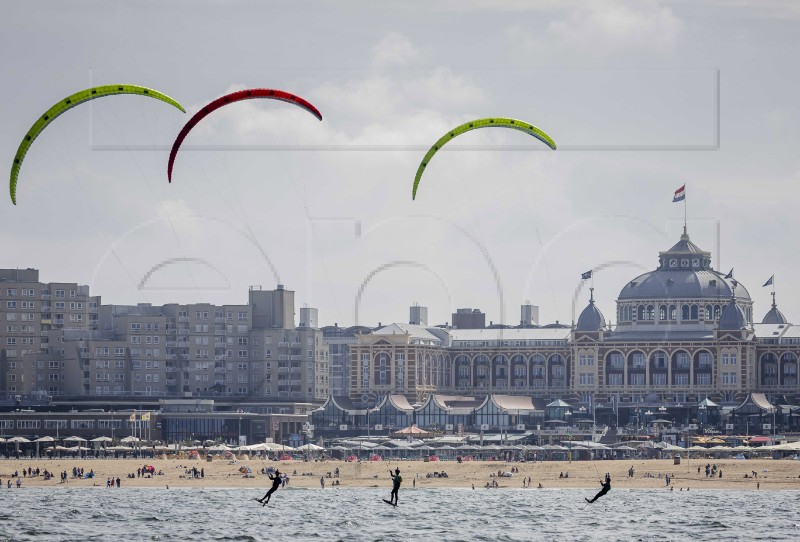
[33,319]
[59,343]
[684,333]
[339,340]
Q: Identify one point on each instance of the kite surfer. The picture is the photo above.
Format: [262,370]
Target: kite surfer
[276,483]
[396,481]
[606,487]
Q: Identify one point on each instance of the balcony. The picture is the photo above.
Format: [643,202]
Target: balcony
[220,357]
[219,370]
[45,296]
[219,332]
[219,320]
[295,358]
[172,344]
[296,344]
[171,357]
[170,369]
[184,319]
[283,344]
[219,344]
[171,382]
[283,357]
[183,332]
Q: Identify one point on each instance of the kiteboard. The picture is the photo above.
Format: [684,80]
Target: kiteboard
[390,503]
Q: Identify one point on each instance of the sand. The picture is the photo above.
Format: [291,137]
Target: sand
[772,474]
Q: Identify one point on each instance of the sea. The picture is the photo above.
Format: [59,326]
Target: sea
[352,515]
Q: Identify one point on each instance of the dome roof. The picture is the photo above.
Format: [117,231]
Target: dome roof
[682,283]
[684,271]
[732,317]
[774,316]
[591,319]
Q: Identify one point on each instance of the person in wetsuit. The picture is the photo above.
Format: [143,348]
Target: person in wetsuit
[605,489]
[276,483]
[396,481]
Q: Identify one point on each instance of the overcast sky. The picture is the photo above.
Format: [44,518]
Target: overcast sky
[641,97]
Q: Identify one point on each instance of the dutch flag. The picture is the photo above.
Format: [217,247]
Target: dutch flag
[680,194]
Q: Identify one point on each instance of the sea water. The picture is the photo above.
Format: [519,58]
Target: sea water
[85,514]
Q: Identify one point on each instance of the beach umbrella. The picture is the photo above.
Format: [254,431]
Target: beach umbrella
[130,439]
[17,440]
[74,439]
[101,439]
[42,439]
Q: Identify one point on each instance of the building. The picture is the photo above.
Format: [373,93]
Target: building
[59,344]
[468,319]
[684,332]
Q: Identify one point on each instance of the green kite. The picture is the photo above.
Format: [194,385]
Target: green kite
[68,103]
[474,125]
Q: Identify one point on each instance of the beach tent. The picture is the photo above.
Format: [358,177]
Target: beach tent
[309,448]
[411,430]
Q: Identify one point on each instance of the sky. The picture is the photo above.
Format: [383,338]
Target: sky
[640,97]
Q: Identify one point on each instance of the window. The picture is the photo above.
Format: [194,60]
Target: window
[637,360]
[703,379]
[680,379]
[729,378]
[586,379]
[615,379]
[659,379]
[637,379]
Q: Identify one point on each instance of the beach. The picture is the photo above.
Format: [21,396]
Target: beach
[417,475]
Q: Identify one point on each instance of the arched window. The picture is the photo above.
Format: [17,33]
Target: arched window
[651,312]
[709,312]
[640,312]
[662,312]
[684,312]
[694,315]
[673,312]
[717,311]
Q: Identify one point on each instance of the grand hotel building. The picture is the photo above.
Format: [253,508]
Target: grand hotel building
[684,333]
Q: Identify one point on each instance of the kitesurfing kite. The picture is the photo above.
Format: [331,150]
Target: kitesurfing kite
[68,103]
[231,98]
[474,125]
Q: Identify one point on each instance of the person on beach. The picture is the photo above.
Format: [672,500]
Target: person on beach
[606,487]
[396,481]
[276,483]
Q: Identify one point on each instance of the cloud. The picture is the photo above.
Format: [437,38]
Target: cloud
[393,50]
[601,29]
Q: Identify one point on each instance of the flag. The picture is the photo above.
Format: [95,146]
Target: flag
[680,194]
[132,417]
[730,274]
[586,275]
[146,417]
[614,403]
[770,281]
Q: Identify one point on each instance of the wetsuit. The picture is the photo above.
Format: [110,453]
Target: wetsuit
[396,481]
[276,483]
[605,489]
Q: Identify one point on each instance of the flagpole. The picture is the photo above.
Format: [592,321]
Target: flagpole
[684,210]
